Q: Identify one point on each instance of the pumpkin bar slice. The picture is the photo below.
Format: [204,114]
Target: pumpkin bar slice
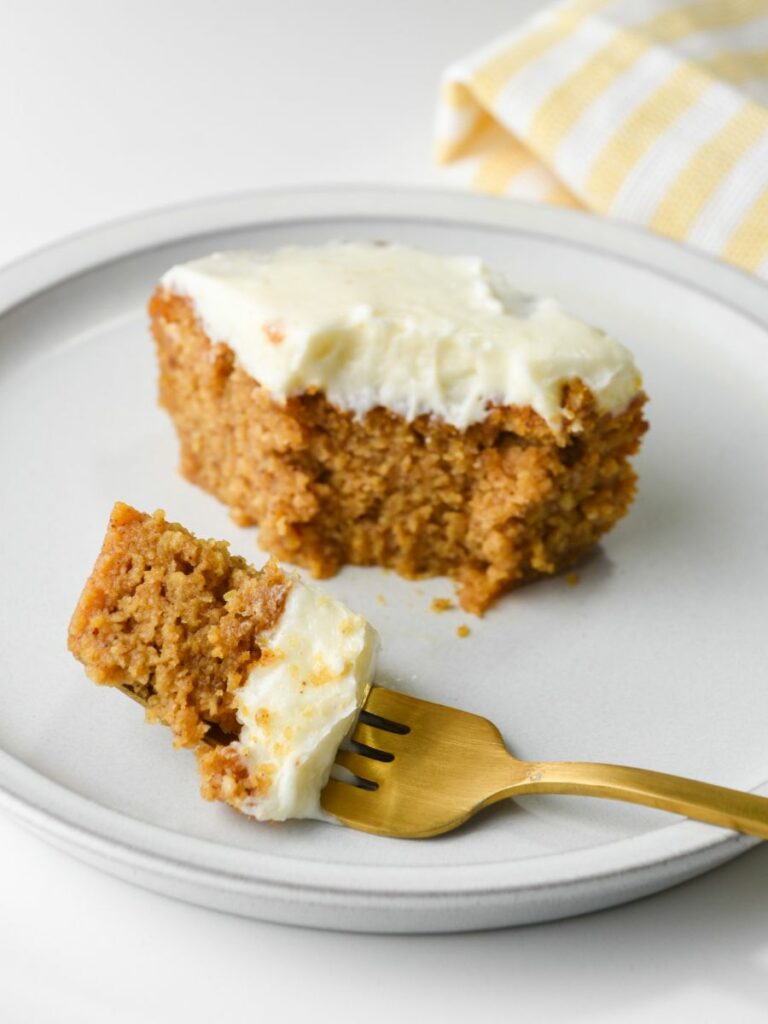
[377,404]
[214,647]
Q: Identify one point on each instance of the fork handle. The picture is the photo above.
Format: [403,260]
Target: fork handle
[718,805]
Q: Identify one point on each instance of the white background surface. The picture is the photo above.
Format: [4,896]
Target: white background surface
[106,109]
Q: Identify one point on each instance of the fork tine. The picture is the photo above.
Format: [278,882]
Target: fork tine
[378,739]
[390,704]
[361,766]
[350,803]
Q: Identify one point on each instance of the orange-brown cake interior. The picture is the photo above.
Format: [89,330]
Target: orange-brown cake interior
[176,619]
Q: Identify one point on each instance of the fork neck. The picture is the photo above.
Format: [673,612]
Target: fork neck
[718,805]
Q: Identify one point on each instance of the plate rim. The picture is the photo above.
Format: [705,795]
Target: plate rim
[65,816]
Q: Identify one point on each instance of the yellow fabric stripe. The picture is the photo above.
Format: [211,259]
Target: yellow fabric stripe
[457,95]
[706,170]
[738,66]
[490,79]
[640,131]
[498,168]
[703,14]
[453,149]
[559,195]
[565,104]
[748,245]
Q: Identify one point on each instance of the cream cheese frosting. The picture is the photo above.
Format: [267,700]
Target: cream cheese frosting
[300,701]
[375,324]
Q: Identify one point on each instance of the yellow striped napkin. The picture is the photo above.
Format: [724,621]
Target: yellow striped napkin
[653,111]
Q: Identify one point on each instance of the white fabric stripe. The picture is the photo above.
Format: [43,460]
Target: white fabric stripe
[535,182]
[650,179]
[762,269]
[623,12]
[454,123]
[634,13]
[756,90]
[732,199]
[526,91]
[603,118]
[521,97]
[752,35]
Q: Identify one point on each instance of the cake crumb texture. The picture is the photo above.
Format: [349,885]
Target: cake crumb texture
[179,621]
[505,501]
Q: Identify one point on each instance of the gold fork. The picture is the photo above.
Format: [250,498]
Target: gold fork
[421,769]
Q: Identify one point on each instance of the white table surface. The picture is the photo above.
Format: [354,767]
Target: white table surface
[111,108]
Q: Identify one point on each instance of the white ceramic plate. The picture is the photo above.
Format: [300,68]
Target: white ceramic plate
[657,658]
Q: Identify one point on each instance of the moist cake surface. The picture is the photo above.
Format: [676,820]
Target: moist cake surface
[377,405]
[274,665]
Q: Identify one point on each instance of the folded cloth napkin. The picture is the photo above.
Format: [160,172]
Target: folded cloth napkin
[652,111]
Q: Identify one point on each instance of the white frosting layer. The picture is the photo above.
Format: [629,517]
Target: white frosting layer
[373,324]
[300,701]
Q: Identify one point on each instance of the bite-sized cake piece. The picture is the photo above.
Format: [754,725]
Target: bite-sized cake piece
[216,646]
[380,405]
